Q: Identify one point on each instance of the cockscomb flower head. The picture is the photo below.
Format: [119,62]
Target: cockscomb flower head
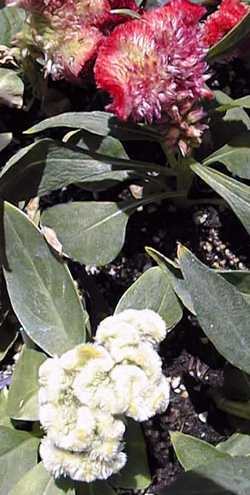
[86,394]
[154,68]
[218,24]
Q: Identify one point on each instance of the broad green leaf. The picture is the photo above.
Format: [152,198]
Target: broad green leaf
[18,454]
[135,475]
[94,232]
[11,88]
[229,42]
[152,290]
[11,21]
[243,102]
[236,445]
[174,275]
[90,232]
[192,452]
[224,126]
[47,165]
[221,310]
[238,278]
[5,139]
[4,417]
[229,476]
[235,156]
[237,195]
[37,481]
[41,290]
[100,123]
[95,488]
[105,145]
[23,394]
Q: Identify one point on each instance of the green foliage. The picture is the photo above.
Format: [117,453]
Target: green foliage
[236,194]
[11,21]
[135,475]
[153,290]
[23,394]
[11,88]
[40,286]
[18,454]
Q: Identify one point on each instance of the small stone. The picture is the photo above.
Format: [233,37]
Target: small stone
[203,417]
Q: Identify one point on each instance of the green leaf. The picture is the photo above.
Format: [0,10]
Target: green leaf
[235,156]
[100,123]
[152,290]
[192,452]
[4,417]
[47,165]
[5,139]
[225,126]
[229,42]
[38,481]
[18,454]
[238,278]
[237,195]
[11,88]
[243,102]
[135,475]
[90,232]
[229,476]
[11,21]
[40,287]
[23,394]
[236,445]
[85,228]
[221,310]
[96,488]
[105,145]
[174,275]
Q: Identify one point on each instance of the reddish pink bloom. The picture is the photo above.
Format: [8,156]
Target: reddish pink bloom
[190,12]
[154,68]
[218,24]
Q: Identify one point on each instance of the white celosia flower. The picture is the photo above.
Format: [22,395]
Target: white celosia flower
[94,374]
[85,395]
[150,325]
[142,355]
[114,331]
[78,357]
[78,466]
[54,380]
[108,427]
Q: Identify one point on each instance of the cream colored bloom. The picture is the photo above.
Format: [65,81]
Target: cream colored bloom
[77,358]
[143,355]
[86,393]
[150,325]
[113,331]
[78,466]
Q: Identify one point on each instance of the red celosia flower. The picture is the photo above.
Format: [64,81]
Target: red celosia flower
[229,13]
[154,68]
[190,12]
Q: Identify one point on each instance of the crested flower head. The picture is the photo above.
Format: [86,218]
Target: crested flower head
[86,394]
[218,24]
[154,68]
[78,465]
